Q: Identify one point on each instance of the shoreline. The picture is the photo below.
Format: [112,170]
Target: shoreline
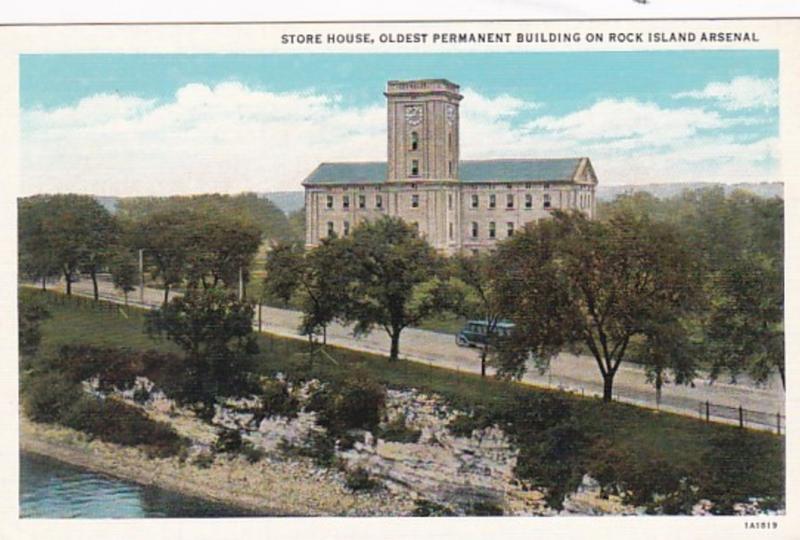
[73,455]
[265,489]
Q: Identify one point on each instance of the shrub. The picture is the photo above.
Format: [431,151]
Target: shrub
[203,460]
[141,395]
[398,431]
[356,403]
[276,400]
[251,453]
[229,441]
[45,397]
[484,508]
[358,479]
[463,425]
[426,508]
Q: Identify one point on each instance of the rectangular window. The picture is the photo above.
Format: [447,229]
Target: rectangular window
[362,201]
[345,201]
[330,229]
[329,202]
[510,201]
[510,228]
[415,167]
[346,228]
[492,201]
[546,200]
[474,229]
[474,201]
[378,201]
[449,202]
[450,167]
[415,201]
[528,200]
[492,230]
[450,230]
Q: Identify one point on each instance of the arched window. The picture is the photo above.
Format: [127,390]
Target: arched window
[414,140]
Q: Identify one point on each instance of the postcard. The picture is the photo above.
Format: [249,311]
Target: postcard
[433,278]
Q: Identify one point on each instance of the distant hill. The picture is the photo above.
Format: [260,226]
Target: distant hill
[290,201]
[664,191]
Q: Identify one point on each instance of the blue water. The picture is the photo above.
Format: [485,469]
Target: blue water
[53,489]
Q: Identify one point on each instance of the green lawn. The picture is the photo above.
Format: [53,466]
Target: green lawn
[636,434]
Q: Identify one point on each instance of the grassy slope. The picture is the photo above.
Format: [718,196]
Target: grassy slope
[636,433]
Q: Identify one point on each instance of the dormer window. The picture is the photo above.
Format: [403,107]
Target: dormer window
[414,140]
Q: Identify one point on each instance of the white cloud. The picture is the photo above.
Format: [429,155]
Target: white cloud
[740,93]
[230,138]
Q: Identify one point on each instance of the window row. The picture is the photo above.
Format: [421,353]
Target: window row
[475,229]
[361,201]
[584,201]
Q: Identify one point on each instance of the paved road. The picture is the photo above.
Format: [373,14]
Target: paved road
[569,372]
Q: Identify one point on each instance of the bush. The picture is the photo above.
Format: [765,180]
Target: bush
[229,441]
[252,453]
[463,425]
[46,397]
[398,431]
[276,400]
[203,460]
[358,479]
[484,508]
[356,403]
[426,508]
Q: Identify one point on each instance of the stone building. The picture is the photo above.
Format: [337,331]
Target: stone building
[457,205]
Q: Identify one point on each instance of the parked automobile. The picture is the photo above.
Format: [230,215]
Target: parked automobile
[476,333]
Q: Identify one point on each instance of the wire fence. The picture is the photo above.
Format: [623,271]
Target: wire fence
[744,417]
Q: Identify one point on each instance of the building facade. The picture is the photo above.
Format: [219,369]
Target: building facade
[457,205]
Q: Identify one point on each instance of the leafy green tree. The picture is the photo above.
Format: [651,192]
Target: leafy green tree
[71,231]
[36,257]
[219,248]
[394,276]
[479,299]
[311,278]
[31,314]
[124,272]
[745,329]
[569,280]
[164,236]
[215,332]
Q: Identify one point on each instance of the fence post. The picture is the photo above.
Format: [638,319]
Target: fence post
[741,417]
[778,416]
[708,411]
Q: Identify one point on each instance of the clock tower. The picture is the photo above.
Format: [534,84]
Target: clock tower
[423,118]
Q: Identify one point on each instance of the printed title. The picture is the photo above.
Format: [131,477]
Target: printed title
[403,38]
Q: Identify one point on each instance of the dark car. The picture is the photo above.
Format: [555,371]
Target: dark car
[476,333]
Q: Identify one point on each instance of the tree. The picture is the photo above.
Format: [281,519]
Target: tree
[164,236]
[745,328]
[570,280]
[31,314]
[123,271]
[394,278]
[70,232]
[215,332]
[219,248]
[35,255]
[321,291]
[479,299]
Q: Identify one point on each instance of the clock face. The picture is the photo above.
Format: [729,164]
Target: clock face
[414,115]
[450,112]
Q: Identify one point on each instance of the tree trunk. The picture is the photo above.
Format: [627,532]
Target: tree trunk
[44,283]
[94,286]
[608,385]
[166,294]
[484,352]
[782,371]
[325,335]
[394,352]
[68,277]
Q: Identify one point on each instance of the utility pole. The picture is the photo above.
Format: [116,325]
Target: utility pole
[141,276]
[241,284]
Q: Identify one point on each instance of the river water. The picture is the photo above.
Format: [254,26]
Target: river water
[53,489]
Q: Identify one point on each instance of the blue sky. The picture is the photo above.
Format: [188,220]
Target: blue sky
[160,124]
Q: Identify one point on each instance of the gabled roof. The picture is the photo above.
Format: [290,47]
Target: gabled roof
[470,171]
